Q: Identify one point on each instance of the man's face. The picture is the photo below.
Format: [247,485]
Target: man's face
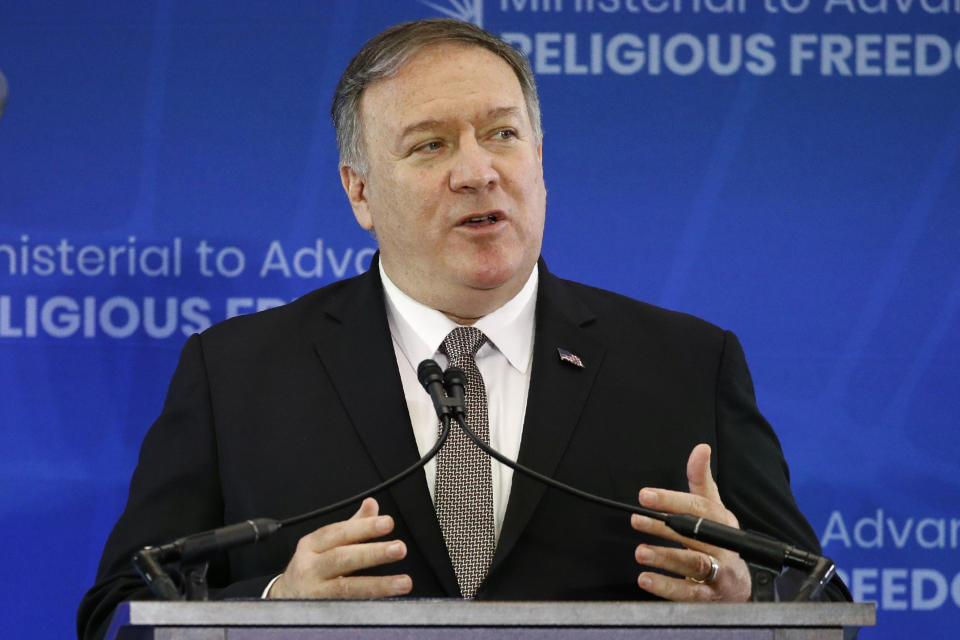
[454,189]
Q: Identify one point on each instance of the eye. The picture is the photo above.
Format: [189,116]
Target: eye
[505,134]
[428,147]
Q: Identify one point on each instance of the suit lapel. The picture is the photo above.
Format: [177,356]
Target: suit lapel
[357,353]
[558,392]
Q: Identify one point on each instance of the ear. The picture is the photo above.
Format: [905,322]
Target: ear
[354,185]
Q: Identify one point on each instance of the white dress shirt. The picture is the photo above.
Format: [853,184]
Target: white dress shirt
[504,362]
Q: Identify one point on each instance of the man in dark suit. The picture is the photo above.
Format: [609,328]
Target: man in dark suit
[276,413]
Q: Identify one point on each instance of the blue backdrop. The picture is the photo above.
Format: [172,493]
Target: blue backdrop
[784,168]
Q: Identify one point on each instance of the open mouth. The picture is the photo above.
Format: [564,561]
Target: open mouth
[480,221]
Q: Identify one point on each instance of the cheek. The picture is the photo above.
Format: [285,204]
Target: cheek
[532,197]
[406,210]
[425,204]
[387,202]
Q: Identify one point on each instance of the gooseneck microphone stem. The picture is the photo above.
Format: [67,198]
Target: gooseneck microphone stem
[191,552]
[556,484]
[754,548]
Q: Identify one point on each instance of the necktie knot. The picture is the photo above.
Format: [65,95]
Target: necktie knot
[462,342]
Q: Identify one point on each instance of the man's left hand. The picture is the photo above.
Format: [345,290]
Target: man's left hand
[730,582]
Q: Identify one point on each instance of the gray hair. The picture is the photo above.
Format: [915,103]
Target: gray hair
[383,55]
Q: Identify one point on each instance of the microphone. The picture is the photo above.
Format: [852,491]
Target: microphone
[199,546]
[190,554]
[454,381]
[759,550]
[431,377]
[446,389]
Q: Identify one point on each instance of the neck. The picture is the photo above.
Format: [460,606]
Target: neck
[469,305]
[466,305]
[462,321]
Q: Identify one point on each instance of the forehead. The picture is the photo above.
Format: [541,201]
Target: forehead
[439,81]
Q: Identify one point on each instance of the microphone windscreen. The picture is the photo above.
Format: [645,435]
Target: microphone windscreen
[454,375]
[429,372]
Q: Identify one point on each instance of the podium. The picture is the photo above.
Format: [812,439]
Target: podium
[408,619]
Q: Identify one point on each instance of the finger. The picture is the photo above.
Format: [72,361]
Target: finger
[308,569]
[356,529]
[656,528]
[344,560]
[698,474]
[682,502]
[675,589]
[368,508]
[363,587]
[683,562]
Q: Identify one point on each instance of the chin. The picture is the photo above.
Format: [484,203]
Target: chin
[494,276]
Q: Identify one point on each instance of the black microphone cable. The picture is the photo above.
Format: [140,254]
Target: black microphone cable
[389,482]
[198,547]
[755,548]
[454,381]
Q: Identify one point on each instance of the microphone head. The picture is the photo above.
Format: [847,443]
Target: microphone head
[454,375]
[455,383]
[429,372]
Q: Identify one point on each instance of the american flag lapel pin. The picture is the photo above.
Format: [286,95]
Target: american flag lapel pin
[572,358]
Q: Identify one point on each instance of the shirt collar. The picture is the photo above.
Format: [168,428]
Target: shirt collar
[419,330]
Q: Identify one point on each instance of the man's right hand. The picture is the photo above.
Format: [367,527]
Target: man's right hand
[325,558]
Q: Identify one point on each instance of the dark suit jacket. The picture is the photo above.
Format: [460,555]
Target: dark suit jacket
[280,412]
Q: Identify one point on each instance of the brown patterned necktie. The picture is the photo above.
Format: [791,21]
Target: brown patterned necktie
[464,488]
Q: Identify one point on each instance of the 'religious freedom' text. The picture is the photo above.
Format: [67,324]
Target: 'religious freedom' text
[67,289]
[840,55]
[852,38]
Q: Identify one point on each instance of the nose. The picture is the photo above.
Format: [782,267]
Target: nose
[472,168]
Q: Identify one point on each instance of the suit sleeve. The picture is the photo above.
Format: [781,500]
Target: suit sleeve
[175,490]
[751,470]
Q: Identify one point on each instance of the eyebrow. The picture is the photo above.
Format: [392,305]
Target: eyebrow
[432,123]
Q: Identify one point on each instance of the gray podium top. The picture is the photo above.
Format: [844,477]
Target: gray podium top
[446,618]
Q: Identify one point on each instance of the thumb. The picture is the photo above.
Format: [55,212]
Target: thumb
[368,508]
[698,474]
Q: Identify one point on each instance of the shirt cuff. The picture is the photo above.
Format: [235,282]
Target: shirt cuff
[269,584]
